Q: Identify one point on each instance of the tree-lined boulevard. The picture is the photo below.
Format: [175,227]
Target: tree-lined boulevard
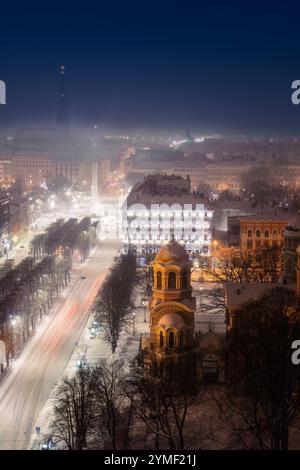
[27,385]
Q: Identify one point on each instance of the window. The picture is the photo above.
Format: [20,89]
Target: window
[249,244]
[266,233]
[158,280]
[258,233]
[249,233]
[171,340]
[275,233]
[172,281]
[161,339]
[184,280]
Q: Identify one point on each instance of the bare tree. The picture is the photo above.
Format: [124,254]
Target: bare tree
[260,366]
[113,410]
[74,410]
[114,301]
[161,392]
[262,265]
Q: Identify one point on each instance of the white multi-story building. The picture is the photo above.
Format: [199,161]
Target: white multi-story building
[161,208]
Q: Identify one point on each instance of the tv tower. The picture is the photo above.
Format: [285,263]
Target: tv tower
[62,117]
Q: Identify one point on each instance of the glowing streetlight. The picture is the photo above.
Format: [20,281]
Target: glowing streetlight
[201,289]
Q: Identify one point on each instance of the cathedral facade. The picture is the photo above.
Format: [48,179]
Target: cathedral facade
[172,318]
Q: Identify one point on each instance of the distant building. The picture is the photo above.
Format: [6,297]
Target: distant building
[218,176]
[262,231]
[6,239]
[161,207]
[5,171]
[69,169]
[238,294]
[32,170]
[104,172]
[290,247]
[19,218]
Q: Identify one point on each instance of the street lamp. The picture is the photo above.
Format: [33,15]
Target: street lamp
[133,323]
[201,289]
[145,303]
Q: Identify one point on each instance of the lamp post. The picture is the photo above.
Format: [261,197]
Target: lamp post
[145,309]
[133,323]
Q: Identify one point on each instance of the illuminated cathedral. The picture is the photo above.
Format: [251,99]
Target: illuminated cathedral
[172,318]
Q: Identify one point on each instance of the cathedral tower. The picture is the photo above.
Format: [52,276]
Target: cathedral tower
[172,306]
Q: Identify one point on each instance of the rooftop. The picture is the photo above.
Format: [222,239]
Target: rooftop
[165,189]
[282,217]
[237,294]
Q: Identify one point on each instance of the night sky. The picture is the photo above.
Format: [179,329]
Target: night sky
[217,66]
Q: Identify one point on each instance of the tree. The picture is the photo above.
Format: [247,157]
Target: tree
[260,366]
[74,410]
[114,300]
[114,414]
[261,265]
[267,183]
[161,392]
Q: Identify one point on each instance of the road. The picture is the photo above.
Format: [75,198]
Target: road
[28,384]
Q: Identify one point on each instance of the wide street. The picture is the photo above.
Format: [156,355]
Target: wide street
[29,382]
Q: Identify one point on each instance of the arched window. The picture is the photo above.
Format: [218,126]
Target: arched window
[184,280]
[158,280]
[161,339]
[171,340]
[172,280]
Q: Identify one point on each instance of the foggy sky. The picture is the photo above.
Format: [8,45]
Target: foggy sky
[208,65]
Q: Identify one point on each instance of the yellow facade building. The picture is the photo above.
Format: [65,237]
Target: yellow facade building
[172,319]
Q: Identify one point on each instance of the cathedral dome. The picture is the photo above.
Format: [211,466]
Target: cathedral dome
[294,223]
[172,253]
[171,320]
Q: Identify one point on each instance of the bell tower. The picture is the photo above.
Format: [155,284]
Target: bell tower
[172,306]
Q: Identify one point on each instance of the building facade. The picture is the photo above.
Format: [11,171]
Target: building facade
[32,170]
[161,208]
[172,319]
[262,231]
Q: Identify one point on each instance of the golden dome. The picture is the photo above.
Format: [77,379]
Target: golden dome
[172,253]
